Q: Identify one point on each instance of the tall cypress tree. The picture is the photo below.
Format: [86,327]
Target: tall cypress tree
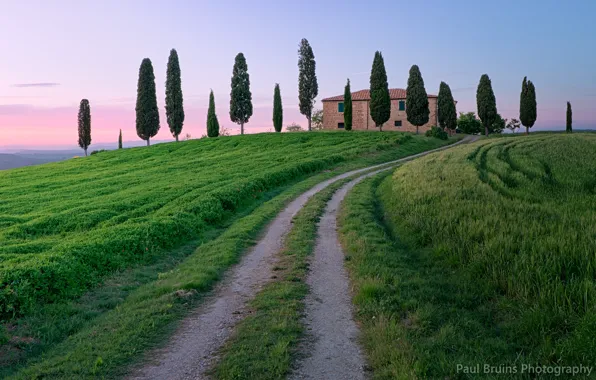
[532,105]
[380,102]
[308,88]
[174,101]
[527,105]
[278,112]
[212,123]
[569,128]
[417,109]
[84,125]
[147,112]
[240,97]
[486,103]
[120,140]
[447,114]
[347,107]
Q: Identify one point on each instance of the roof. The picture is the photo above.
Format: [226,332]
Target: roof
[394,93]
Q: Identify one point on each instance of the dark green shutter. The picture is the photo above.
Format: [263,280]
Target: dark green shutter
[340,107]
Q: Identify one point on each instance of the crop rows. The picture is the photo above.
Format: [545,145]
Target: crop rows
[519,216]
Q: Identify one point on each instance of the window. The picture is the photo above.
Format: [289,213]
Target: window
[402,105]
[340,125]
[397,123]
[340,107]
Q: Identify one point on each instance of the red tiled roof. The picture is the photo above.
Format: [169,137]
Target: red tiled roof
[394,93]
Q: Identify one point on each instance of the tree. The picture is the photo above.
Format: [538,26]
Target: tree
[147,112]
[468,123]
[486,103]
[84,125]
[512,125]
[294,128]
[569,128]
[380,103]
[308,89]
[527,105]
[174,101]
[317,120]
[120,140]
[278,116]
[212,123]
[240,97]
[417,109]
[347,107]
[447,113]
[498,125]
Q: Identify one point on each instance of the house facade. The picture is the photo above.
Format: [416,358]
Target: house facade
[333,112]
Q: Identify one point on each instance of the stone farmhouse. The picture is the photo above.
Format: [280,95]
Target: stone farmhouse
[333,112]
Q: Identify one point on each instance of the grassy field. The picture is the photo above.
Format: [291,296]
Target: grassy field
[133,309]
[481,254]
[63,226]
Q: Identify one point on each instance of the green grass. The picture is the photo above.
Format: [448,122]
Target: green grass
[64,226]
[102,332]
[263,345]
[480,254]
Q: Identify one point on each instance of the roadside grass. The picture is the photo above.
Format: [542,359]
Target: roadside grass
[136,308]
[264,341]
[66,226]
[483,254]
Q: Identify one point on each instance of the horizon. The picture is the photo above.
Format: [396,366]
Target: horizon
[97,52]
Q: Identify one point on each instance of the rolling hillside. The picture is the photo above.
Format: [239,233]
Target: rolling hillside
[64,226]
[488,257]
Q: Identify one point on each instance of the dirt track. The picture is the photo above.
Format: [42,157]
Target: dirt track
[190,352]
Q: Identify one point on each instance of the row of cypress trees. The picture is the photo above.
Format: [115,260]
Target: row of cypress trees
[417,106]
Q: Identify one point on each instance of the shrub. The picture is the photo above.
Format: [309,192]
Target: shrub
[98,151]
[437,132]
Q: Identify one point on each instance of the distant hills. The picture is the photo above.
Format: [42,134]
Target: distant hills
[16,157]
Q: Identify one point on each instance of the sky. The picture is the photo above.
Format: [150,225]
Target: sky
[55,53]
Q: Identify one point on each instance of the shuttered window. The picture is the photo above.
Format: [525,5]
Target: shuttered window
[402,105]
[340,107]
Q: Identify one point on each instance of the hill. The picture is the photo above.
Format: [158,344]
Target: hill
[11,161]
[488,258]
[64,226]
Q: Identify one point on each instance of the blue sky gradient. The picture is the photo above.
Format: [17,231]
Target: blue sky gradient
[93,49]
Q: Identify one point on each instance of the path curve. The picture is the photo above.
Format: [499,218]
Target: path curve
[333,350]
[191,350]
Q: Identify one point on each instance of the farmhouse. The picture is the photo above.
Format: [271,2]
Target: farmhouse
[333,112]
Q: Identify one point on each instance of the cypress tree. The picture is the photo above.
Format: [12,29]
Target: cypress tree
[348,107]
[308,88]
[417,109]
[527,105]
[278,115]
[84,125]
[240,97]
[212,123]
[120,140]
[486,103]
[380,102]
[174,101]
[569,128]
[532,105]
[447,114]
[147,112]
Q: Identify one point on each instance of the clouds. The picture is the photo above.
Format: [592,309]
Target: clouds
[38,84]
